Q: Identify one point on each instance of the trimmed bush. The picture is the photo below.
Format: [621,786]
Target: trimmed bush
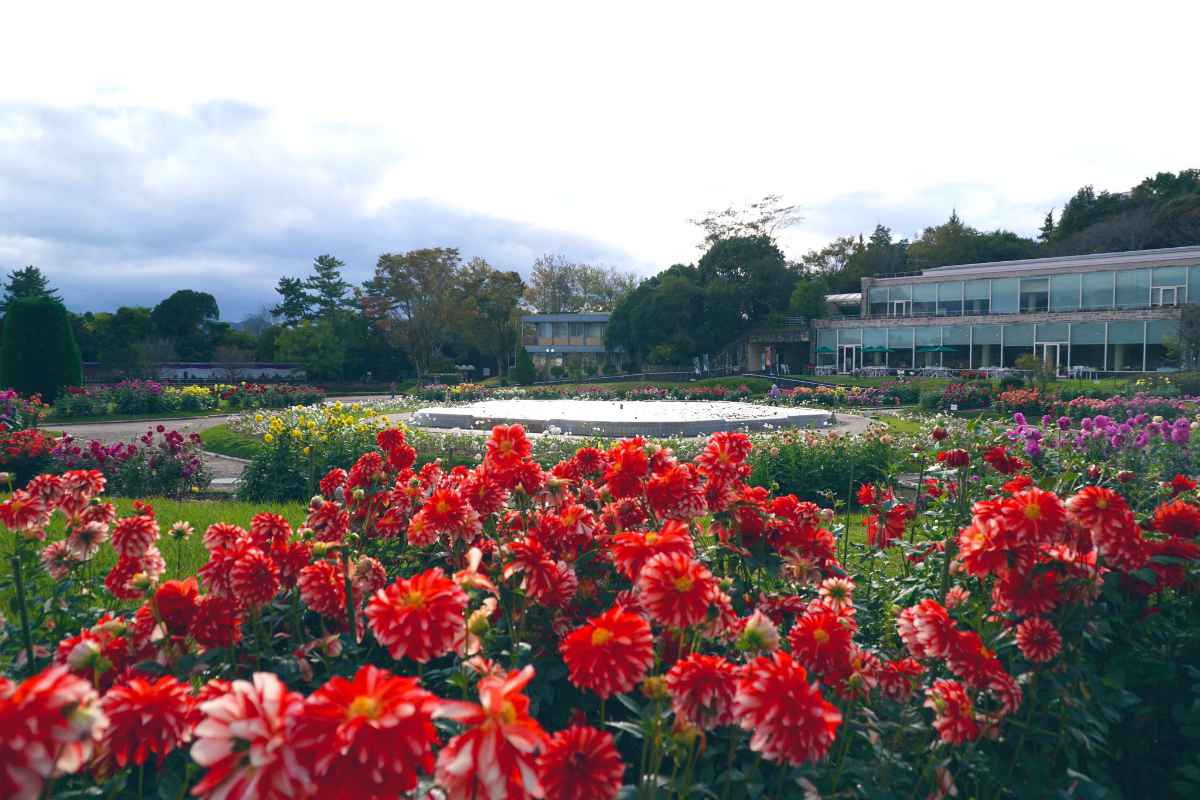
[40,354]
[523,372]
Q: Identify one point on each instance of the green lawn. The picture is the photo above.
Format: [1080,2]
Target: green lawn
[136,417]
[182,558]
[223,440]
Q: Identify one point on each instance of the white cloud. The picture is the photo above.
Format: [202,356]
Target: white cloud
[266,131]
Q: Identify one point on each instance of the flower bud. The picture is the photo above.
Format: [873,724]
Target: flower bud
[1125,476]
[655,688]
[759,635]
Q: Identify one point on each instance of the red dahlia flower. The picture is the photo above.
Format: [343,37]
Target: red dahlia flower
[323,589]
[610,654]
[702,689]
[926,629]
[175,605]
[49,725]
[1001,461]
[954,713]
[216,622]
[632,549]
[724,456]
[1180,484]
[821,642]
[627,468]
[146,718]
[1177,518]
[254,578]
[956,459]
[581,763]
[676,590]
[790,720]
[240,740]
[420,617]
[494,756]
[363,738]
[132,536]
[1039,640]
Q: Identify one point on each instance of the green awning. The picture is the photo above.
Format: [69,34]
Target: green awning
[875,349]
[824,349]
[929,348]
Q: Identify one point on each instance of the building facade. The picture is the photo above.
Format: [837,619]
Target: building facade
[565,340]
[1107,312]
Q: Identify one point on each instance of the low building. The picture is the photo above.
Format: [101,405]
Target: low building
[565,340]
[1104,312]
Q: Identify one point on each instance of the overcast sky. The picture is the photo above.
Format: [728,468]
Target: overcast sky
[145,148]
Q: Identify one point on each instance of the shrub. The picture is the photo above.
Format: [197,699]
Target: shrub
[24,453]
[1011,382]
[523,373]
[40,354]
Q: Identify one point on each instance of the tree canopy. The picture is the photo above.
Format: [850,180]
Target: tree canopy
[558,286]
[27,283]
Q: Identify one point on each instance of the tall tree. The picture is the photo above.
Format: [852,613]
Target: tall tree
[763,217]
[415,297]
[492,297]
[1046,232]
[559,286]
[27,283]
[185,319]
[295,304]
[316,345]
[330,293]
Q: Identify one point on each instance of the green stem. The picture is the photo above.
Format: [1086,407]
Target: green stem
[23,610]
[350,610]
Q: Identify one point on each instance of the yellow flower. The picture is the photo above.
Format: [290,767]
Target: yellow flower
[296,434]
[307,451]
[268,438]
[258,418]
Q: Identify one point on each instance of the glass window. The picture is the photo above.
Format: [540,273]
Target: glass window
[1018,341]
[924,298]
[545,330]
[826,338]
[874,341]
[576,330]
[956,350]
[985,346]
[950,297]
[1133,288]
[1005,296]
[1052,332]
[1162,344]
[849,336]
[1125,351]
[899,292]
[956,334]
[1018,335]
[1169,276]
[1035,294]
[1097,290]
[900,345]
[1194,284]
[1064,292]
[878,299]
[975,297]
[1087,345]
[929,336]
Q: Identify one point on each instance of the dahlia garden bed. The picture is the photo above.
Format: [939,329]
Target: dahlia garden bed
[623,624]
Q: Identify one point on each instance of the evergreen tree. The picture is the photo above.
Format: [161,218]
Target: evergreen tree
[40,355]
[28,282]
[295,304]
[1046,232]
[330,293]
[523,372]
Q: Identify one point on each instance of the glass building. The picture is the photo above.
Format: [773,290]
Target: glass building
[1107,312]
[564,339]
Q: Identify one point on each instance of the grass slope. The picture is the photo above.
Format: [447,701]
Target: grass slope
[223,440]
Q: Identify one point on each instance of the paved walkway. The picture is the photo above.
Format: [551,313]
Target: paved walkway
[227,470]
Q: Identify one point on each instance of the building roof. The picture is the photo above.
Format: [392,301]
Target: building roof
[1165,256]
[597,316]
[845,298]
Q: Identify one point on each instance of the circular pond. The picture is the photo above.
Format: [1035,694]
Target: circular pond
[620,417]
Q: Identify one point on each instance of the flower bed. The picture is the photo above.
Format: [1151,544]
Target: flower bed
[150,397]
[160,463]
[624,623]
